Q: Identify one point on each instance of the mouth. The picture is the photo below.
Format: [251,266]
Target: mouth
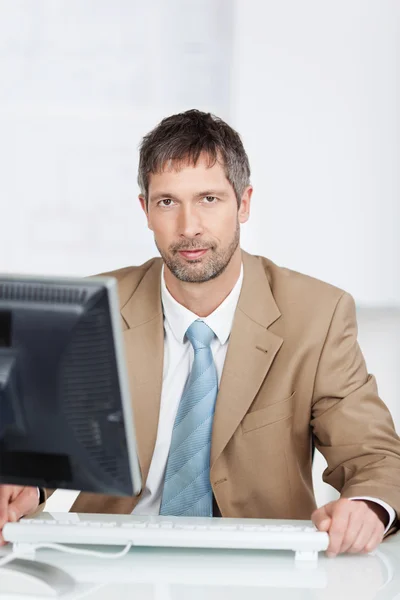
[192,254]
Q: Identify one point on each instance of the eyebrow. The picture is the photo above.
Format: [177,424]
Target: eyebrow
[163,195]
[219,193]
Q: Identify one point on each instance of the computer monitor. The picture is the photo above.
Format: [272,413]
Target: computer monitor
[66,418]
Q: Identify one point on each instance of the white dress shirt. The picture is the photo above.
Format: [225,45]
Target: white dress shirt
[178,360]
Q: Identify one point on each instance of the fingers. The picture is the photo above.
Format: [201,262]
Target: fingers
[370,534]
[5,494]
[340,522]
[25,503]
[356,531]
[4,498]
[354,528]
[322,517]
[360,541]
[15,502]
[375,539]
[369,527]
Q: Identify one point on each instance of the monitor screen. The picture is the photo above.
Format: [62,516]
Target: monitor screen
[66,417]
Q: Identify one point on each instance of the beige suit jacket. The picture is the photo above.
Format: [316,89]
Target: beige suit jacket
[293,370]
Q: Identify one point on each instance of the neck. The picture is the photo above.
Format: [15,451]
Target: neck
[203,298]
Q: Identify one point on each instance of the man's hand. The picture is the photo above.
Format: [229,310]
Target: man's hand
[353,525]
[16,502]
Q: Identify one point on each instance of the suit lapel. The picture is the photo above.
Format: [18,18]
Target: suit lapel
[144,348]
[251,351]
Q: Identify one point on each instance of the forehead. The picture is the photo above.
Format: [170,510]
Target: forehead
[185,174]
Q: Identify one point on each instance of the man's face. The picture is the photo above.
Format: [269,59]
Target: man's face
[193,213]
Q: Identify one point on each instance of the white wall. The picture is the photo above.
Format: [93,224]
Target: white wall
[315,94]
[80,84]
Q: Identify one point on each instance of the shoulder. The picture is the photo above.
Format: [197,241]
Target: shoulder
[297,291]
[308,306]
[129,278]
[299,282]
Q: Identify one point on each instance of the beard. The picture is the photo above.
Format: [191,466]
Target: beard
[207,267]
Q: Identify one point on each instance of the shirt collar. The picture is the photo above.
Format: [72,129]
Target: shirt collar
[180,318]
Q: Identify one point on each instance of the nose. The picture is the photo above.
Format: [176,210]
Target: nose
[189,222]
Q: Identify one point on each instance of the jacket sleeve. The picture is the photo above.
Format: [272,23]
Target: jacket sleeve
[351,425]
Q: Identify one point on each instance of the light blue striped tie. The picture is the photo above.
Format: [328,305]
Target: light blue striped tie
[187,489]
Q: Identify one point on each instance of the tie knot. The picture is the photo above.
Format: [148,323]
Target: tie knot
[200,335]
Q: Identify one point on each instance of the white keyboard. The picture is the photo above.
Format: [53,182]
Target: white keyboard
[186,532]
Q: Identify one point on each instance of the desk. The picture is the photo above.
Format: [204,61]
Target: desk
[176,574]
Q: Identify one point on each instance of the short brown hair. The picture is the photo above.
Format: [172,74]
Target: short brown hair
[185,136]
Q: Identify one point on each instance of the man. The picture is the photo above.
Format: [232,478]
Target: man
[237,365]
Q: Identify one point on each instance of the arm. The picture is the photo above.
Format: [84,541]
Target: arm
[352,427]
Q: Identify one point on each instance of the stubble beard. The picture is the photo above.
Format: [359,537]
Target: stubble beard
[203,269]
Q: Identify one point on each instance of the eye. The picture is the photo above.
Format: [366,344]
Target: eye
[210,199]
[165,202]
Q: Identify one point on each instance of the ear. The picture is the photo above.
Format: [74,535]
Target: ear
[145,209]
[244,209]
